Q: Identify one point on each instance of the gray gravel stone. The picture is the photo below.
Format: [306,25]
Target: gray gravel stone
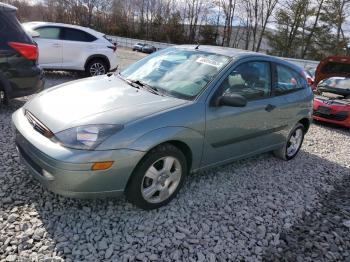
[103,244]
[179,236]
[11,258]
[200,257]
[347,223]
[109,252]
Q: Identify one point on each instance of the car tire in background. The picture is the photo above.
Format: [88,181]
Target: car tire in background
[293,145]
[96,67]
[3,100]
[157,178]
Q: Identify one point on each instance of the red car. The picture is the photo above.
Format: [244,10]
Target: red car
[332,95]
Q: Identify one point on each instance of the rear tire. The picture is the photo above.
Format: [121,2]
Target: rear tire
[293,144]
[157,178]
[3,98]
[96,67]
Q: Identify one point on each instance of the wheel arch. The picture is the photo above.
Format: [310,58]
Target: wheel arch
[306,123]
[182,146]
[98,56]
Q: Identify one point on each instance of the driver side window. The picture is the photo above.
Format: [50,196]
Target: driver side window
[252,80]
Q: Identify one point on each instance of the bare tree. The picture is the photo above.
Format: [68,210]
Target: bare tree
[336,13]
[194,9]
[228,7]
[267,9]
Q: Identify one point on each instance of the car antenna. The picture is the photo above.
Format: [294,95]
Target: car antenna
[197,47]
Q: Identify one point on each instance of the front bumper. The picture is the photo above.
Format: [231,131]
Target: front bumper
[68,172]
[335,114]
[113,62]
[26,85]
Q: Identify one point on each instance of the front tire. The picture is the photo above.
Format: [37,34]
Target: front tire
[96,67]
[293,145]
[157,178]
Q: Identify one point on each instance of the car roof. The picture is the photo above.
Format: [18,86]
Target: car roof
[237,53]
[226,51]
[7,7]
[86,29]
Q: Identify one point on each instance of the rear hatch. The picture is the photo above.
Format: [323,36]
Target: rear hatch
[13,39]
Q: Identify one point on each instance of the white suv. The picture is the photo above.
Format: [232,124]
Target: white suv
[71,47]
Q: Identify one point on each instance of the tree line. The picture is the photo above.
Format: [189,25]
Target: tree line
[308,29]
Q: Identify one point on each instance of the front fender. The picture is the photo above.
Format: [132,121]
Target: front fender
[192,138]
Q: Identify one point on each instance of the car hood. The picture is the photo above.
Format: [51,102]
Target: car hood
[96,100]
[333,66]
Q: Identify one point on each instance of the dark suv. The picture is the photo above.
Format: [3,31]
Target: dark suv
[19,72]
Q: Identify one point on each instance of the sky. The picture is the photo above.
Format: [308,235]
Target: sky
[237,21]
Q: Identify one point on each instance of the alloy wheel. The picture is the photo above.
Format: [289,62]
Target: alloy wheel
[97,69]
[161,179]
[294,142]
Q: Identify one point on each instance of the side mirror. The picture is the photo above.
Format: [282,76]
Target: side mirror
[33,33]
[233,100]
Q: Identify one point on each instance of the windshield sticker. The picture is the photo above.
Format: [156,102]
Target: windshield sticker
[207,61]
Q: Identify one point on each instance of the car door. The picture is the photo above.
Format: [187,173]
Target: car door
[234,132]
[77,46]
[50,47]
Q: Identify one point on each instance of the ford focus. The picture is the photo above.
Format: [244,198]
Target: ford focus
[177,111]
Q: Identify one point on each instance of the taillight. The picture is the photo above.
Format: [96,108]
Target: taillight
[28,51]
[310,81]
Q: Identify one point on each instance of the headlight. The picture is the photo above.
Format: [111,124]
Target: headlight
[86,137]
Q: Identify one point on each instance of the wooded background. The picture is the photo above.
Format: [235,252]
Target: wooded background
[307,29]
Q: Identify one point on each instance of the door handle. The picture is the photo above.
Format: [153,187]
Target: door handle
[270,107]
[56,45]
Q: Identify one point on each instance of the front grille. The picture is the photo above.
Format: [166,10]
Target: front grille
[341,116]
[37,125]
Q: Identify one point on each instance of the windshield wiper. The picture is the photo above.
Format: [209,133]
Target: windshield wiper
[142,84]
[128,81]
[139,84]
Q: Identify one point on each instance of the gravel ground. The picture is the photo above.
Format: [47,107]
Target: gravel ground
[258,209]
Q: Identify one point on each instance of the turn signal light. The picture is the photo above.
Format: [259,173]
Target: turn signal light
[101,165]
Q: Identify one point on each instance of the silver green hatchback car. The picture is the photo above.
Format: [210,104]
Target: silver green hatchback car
[179,110]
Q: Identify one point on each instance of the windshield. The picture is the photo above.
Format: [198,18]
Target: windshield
[177,72]
[311,72]
[336,82]
[335,85]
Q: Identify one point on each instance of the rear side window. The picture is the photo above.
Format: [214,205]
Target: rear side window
[49,32]
[288,80]
[11,30]
[71,34]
